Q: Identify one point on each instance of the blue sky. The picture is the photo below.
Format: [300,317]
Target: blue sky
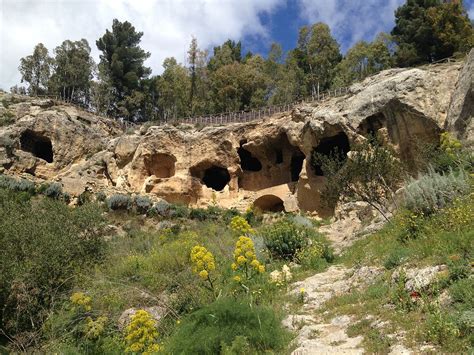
[350,21]
[169,25]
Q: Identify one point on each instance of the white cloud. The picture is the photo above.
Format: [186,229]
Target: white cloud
[167,25]
[351,20]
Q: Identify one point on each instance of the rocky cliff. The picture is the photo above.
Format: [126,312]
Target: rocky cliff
[265,162]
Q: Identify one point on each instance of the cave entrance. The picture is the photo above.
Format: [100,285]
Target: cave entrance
[247,161]
[38,145]
[338,144]
[160,165]
[216,178]
[269,203]
[213,176]
[296,165]
[372,124]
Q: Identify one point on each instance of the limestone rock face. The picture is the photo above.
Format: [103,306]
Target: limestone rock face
[461,110]
[266,163]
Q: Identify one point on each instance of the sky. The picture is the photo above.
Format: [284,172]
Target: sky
[169,25]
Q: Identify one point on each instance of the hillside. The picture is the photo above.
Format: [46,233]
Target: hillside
[226,238]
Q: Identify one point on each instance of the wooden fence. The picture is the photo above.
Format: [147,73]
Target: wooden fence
[228,117]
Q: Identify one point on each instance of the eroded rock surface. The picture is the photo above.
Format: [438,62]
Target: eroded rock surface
[267,162]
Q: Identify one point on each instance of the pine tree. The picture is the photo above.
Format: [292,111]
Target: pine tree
[122,67]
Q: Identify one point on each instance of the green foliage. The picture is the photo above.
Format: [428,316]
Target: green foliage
[225,323]
[119,202]
[121,66]
[54,190]
[396,258]
[143,204]
[284,239]
[7,118]
[440,327]
[427,30]
[372,174]
[21,185]
[73,71]
[374,341]
[160,208]
[141,334]
[434,191]
[35,69]
[44,246]
[362,60]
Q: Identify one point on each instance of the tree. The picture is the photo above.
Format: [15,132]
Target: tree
[122,67]
[452,29]
[35,69]
[371,174]
[228,53]
[317,54]
[239,86]
[362,60]
[73,71]
[428,30]
[173,89]
[198,96]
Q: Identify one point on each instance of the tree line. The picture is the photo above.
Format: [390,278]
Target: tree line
[120,85]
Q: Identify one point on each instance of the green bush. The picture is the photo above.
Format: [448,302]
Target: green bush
[100,196]
[22,185]
[178,211]
[223,324]
[143,204]
[54,190]
[44,245]
[434,191]
[161,208]
[119,202]
[396,258]
[284,238]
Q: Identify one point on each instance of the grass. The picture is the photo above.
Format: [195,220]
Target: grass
[444,238]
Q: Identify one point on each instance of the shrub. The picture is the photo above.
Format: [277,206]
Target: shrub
[83,198]
[315,256]
[371,174]
[224,323]
[160,208]
[54,190]
[44,245]
[245,259]
[434,191]
[395,258]
[119,202]
[100,196]
[178,211]
[440,328]
[143,204]
[21,185]
[284,238]
[203,263]
[240,226]
[141,334]
[8,118]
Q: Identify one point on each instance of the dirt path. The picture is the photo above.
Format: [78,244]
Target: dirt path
[316,335]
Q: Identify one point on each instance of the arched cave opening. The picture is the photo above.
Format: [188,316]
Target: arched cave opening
[216,177]
[247,161]
[296,165]
[338,144]
[372,124]
[38,145]
[161,165]
[269,203]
